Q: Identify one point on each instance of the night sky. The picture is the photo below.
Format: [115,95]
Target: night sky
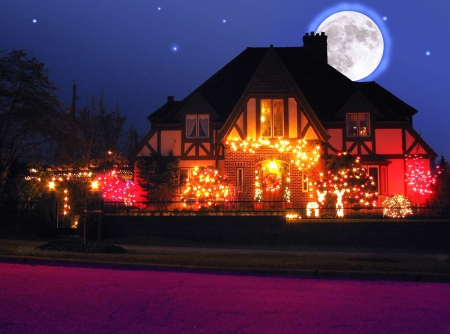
[137,52]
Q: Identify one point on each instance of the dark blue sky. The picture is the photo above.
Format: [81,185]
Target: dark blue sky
[125,48]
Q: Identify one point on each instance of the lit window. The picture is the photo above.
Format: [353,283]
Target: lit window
[272,118]
[305,182]
[197,126]
[240,179]
[358,124]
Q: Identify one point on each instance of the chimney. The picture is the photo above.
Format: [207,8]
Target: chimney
[170,99]
[316,45]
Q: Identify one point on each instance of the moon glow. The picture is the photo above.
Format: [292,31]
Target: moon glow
[355,43]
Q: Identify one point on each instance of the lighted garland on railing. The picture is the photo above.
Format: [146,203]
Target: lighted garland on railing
[304,155]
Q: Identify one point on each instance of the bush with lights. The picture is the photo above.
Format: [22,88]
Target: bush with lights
[397,206]
[205,188]
[116,189]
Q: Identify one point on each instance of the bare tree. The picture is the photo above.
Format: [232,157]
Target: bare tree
[29,109]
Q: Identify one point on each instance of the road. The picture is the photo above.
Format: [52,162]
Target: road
[69,299]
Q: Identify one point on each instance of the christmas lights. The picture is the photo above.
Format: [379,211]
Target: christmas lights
[420,180]
[205,187]
[303,154]
[116,189]
[346,182]
[397,206]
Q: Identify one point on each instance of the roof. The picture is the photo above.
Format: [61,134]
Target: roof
[325,89]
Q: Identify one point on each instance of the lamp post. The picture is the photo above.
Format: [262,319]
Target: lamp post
[52,187]
[95,189]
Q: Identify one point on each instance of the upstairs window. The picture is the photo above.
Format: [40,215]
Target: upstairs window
[358,124]
[272,118]
[197,126]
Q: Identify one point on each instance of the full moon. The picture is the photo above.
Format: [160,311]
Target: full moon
[355,43]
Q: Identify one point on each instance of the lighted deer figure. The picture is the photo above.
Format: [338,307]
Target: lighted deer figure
[339,205]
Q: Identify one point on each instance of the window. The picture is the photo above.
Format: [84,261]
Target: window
[379,175]
[240,179]
[197,126]
[272,118]
[358,124]
[305,182]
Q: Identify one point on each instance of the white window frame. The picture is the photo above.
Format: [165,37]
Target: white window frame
[195,123]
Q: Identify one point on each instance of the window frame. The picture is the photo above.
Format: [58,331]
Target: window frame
[305,182]
[361,117]
[194,125]
[270,130]
[240,179]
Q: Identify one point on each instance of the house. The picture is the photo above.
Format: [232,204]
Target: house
[272,118]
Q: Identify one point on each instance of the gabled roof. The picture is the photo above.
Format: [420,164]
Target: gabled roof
[325,89]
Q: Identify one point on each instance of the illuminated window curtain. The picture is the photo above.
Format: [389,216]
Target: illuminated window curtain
[191,126]
[203,126]
[266,118]
[278,111]
[364,124]
[352,125]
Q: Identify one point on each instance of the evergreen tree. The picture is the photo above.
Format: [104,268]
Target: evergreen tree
[345,175]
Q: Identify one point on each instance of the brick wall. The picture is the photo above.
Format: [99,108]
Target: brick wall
[248,161]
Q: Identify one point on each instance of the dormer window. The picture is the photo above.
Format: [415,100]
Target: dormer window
[197,126]
[358,124]
[272,120]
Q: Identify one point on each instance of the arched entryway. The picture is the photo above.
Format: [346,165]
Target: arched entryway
[272,182]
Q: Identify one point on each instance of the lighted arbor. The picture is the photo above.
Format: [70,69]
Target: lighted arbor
[418,177]
[346,183]
[205,188]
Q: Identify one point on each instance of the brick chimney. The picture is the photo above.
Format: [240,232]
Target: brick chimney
[317,45]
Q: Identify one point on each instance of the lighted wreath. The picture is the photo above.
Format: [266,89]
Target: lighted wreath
[272,182]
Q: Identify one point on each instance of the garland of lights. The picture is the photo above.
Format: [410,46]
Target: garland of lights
[304,155]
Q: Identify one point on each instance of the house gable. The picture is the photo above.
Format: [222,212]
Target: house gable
[272,81]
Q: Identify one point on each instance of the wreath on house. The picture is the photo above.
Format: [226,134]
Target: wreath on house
[272,182]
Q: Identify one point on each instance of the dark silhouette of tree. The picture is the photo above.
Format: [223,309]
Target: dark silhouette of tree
[96,138]
[29,110]
[157,175]
[440,198]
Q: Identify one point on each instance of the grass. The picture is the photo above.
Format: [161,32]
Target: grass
[432,267]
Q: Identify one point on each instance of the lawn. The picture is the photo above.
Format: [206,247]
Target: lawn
[396,266]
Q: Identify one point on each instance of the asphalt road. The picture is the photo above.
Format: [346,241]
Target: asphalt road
[65,299]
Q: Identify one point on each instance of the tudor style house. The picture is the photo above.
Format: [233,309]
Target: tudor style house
[272,118]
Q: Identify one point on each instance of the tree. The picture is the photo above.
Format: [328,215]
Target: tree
[441,195]
[346,177]
[95,137]
[29,110]
[158,177]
